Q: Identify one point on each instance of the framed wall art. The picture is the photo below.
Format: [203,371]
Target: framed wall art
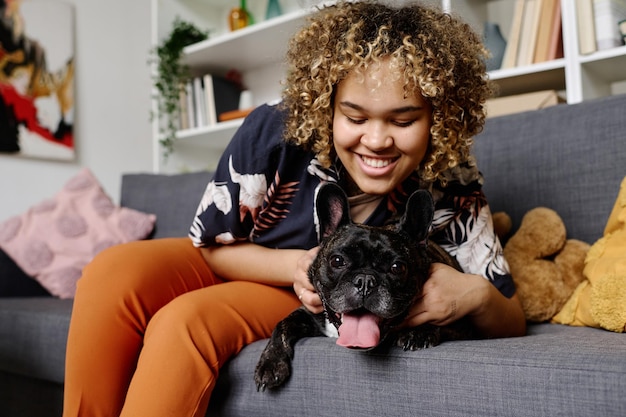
[37,79]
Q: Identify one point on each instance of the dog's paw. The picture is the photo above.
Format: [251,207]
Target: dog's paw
[272,371]
[422,337]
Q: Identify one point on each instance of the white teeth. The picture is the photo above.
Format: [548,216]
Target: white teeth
[376,163]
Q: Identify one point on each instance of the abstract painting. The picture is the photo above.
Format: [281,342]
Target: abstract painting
[37,79]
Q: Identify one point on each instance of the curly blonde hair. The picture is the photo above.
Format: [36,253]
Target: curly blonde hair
[439,56]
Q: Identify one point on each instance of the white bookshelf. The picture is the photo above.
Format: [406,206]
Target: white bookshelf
[257,52]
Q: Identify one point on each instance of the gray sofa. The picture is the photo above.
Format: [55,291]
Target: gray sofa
[571,158]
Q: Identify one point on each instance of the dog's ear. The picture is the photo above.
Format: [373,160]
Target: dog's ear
[418,216]
[331,206]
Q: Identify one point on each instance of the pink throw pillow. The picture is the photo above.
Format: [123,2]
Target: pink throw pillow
[55,239]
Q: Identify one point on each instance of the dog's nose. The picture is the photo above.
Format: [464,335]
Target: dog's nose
[365,283]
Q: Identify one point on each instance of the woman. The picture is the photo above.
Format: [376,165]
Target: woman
[382,100]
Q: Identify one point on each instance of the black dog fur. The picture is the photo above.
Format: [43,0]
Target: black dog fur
[364,271]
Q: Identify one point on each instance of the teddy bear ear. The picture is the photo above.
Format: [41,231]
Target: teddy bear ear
[418,215]
[332,209]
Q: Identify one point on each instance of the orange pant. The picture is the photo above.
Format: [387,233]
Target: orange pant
[151,326]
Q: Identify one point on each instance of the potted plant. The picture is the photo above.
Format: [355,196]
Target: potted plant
[170,78]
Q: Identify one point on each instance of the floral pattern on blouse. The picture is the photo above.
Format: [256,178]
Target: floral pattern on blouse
[263,191]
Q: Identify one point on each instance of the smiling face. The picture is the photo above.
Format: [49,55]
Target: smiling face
[380,135]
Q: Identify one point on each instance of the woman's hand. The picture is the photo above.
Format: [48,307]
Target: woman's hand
[449,295]
[302,285]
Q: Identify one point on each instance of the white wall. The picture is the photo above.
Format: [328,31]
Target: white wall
[112,129]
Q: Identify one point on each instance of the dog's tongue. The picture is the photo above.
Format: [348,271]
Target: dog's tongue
[359,331]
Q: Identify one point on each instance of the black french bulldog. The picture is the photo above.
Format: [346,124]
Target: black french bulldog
[367,278]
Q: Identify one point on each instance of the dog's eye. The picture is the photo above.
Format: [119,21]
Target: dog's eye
[337,261]
[398,268]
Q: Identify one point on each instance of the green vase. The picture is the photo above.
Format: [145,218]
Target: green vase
[244,7]
[273,9]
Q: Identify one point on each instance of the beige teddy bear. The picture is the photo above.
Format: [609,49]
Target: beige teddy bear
[545,265]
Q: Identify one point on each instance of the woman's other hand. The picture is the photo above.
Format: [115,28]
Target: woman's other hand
[302,285]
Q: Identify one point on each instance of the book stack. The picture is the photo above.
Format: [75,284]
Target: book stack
[535,34]
[598,24]
[205,98]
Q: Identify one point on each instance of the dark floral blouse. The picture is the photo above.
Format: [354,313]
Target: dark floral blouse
[263,191]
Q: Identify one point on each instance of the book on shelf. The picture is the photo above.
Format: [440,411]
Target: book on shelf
[501,106]
[607,14]
[550,17]
[208,97]
[555,43]
[222,95]
[204,98]
[191,114]
[586,27]
[530,29]
[235,114]
[510,52]
[535,34]
[183,109]
[199,102]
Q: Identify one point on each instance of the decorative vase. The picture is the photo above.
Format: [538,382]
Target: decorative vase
[239,17]
[495,43]
[273,9]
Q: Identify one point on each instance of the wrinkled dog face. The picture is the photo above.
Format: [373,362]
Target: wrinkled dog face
[368,277]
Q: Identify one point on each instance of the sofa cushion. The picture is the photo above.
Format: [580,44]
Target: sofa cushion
[527,162]
[55,239]
[33,333]
[555,370]
[173,198]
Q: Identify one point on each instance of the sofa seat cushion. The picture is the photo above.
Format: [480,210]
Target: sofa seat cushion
[33,333]
[555,370]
